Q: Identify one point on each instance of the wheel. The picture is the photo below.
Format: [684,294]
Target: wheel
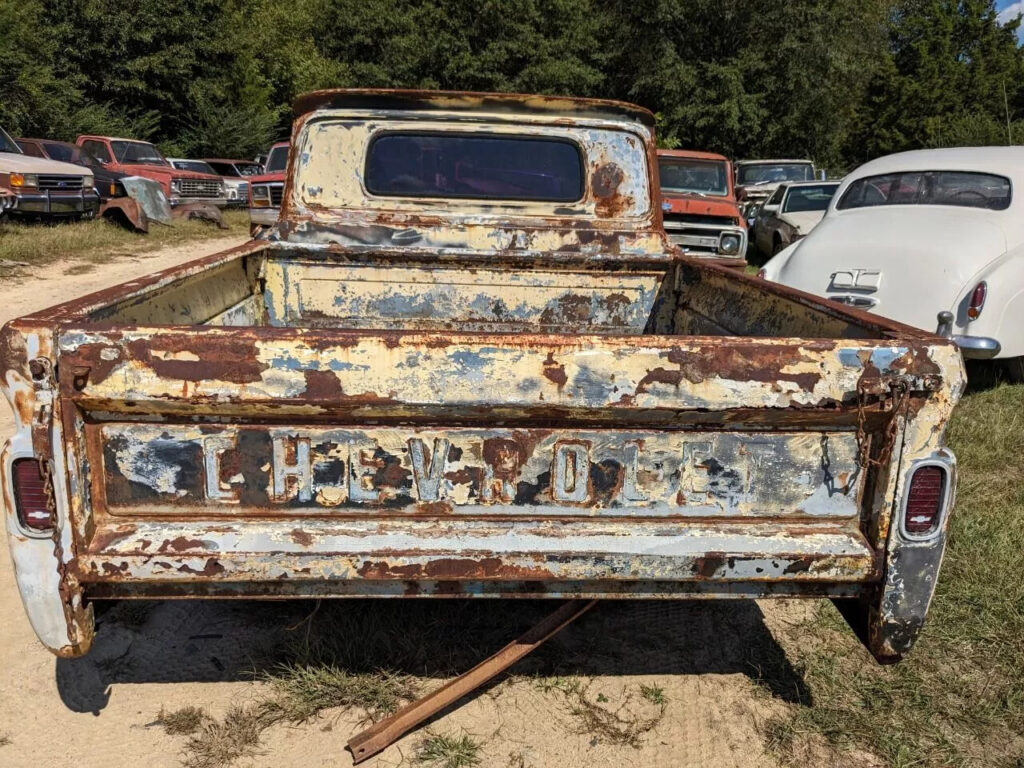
[777,244]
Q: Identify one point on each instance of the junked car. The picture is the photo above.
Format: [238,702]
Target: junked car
[699,206]
[131,201]
[757,180]
[466,362]
[142,158]
[37,187]
[931,238]
[791,213]
[236,175]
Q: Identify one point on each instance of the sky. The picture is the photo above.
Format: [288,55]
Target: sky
[1009,9]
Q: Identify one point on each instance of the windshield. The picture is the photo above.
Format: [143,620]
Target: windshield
[468,166]
[278,160]
[7,144]
[810,198]
[137,152]
[247,169]
[702,177]
[198,166]
[972,190]
[774,173]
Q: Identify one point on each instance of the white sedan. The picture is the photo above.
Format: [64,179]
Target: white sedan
[790,213]
[932,238]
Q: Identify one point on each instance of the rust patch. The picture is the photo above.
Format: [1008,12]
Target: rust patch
[555,372]
[301,537]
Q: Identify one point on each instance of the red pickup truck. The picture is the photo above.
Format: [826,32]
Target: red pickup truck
[140,158]
[267,189]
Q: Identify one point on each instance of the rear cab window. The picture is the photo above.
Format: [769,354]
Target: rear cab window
[955,188]
[479,167]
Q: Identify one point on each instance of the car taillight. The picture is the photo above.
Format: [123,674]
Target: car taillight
[762,274]
[30,496]
[977,302]
[925,496]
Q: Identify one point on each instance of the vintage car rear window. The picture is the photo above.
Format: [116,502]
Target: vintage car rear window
[960,188]
[471,166]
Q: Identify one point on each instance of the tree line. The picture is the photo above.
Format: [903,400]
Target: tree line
[839,81]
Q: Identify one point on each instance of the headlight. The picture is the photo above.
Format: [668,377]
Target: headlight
[223,189]
[729,244]
[261,196]
[24,180]
[176,186]
[87,182]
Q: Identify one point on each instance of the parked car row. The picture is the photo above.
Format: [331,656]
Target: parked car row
[714,209]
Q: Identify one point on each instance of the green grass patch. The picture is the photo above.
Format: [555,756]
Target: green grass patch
[439,751]
[27,244]
[958,698]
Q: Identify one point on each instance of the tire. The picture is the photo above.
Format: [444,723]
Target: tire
[777,245]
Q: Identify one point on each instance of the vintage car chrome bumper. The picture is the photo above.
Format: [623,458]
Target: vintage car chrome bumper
[707,239]
[977,347]
[219,202]
[264,216]
[49,202]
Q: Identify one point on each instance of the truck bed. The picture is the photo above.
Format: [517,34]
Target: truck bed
[234,425]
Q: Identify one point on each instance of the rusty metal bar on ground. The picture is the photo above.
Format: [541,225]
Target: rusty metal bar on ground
[381,735]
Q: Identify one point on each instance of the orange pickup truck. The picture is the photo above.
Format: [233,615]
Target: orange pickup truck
[699,208]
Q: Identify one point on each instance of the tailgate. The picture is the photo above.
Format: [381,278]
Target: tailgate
[366,462]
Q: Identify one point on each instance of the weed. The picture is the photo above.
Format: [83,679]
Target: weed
[305,690]
[219,743]
[448,751]
[654,694]
[182,722]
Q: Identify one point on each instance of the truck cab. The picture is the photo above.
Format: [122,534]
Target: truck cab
[466,362]
[141,158]
[699,207]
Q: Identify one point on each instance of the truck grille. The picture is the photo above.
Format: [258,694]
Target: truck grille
[243,190]
[199,187]
[276,194]
[676,219]
[60,182]
[696,232]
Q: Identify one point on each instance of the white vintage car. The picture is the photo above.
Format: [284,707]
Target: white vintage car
[932,238]
[791,213]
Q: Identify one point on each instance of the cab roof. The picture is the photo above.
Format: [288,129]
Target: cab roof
[692,153]
[459,101]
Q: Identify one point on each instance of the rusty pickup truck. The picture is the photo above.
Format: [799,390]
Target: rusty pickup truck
[467,363]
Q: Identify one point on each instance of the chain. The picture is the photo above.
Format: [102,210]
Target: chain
[899,394]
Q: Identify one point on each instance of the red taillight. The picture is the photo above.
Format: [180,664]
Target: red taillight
[923,510]
[762,274]
[30,495]
[977,302]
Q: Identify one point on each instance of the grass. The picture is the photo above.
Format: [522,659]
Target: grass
[441,751]
[182,722]
[622,724]
[958,698]
[32,244]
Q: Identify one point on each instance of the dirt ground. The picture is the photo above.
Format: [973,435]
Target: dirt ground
[720,666]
